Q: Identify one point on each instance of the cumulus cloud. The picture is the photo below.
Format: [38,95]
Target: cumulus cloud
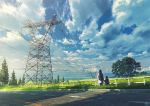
[68,41]
[81,10]
[131,11]
[12,41]
[135,12]
[14,15]
[110,42]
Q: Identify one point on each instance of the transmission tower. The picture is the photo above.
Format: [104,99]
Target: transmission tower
[39,66]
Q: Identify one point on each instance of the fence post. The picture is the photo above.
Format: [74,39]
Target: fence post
[129,82]
[144,81]
[116,82]
[95,82]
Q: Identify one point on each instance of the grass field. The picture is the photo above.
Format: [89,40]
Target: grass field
[115,83]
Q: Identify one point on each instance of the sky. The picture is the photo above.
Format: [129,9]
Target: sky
[93,35]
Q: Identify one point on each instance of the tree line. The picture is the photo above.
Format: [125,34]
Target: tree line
[125,67]
[58,80]
[4,76]
[5,79]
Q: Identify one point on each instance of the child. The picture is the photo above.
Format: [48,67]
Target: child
[106,80]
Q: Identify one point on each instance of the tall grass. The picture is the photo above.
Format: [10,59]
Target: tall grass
[115,83]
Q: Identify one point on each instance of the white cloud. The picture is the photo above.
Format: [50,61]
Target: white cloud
[144,52]
[14,17]
[81,10]
[110,42]
[12,40]
[63,60]
[11,37]
[131,11]
[130,54]
[113,42]
[15,49]
[92,34]
[66,41]
[89,31]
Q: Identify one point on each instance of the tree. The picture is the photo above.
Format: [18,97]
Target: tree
[125,67]
[58,79]
[55,81]
[0,76]
[23,80]
[19,81]
[4,76]
[101,77]
[63,79]
[13,80]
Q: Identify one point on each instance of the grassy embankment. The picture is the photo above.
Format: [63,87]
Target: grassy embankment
[115,83]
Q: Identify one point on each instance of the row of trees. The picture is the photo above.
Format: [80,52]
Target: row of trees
[57,80]
[121,68]
[4,76]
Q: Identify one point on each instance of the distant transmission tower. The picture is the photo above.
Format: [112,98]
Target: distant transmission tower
[39,66]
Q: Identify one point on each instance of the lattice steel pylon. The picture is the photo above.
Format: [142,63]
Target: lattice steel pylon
[39,66]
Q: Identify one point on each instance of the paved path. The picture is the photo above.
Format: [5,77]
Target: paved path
[73,97]
[77,98]
[21,98]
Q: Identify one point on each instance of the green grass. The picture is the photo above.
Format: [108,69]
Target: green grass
[122,83]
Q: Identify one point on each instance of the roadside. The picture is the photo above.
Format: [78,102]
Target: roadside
[21,98]
[76,97]
[69,98]
[103,97]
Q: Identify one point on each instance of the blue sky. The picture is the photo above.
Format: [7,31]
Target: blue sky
[94,33]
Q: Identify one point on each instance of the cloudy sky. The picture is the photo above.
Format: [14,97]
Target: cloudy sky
[94,33]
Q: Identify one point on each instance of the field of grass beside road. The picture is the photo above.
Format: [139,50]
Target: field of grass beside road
[115,83]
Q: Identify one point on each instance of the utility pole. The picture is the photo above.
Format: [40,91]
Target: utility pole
[39,65]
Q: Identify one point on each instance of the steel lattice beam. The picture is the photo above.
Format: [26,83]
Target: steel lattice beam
[39,66]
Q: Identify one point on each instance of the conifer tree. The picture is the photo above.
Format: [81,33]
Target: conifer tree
[4,76]
[63,79]
[19,81]
[13,80]
[58,79]
[23,80]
